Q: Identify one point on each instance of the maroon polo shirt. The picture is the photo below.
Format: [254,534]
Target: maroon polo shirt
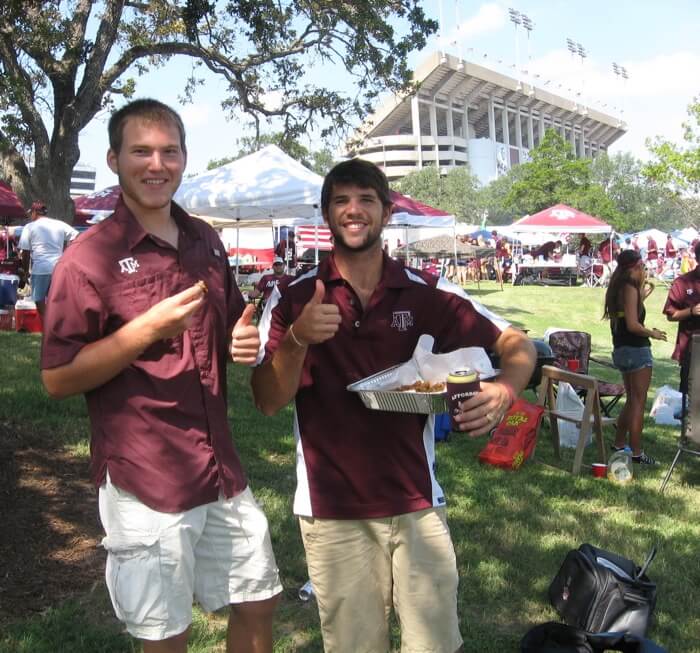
[268,282]
[353,462]
[652,250]
[684,293]
[160,426]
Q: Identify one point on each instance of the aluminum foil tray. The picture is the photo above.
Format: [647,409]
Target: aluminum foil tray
[395,400]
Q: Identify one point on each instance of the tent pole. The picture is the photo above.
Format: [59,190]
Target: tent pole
[238,245]
[316,235]
[405,229]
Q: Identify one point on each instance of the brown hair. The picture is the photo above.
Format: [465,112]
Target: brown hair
[146,109]
[359,172]
[627,261]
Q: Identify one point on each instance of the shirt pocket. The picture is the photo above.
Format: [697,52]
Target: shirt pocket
[127,300]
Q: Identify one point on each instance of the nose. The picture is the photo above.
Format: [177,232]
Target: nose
[155,162]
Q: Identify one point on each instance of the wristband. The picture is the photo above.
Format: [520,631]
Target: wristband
[291,333]
[511,393]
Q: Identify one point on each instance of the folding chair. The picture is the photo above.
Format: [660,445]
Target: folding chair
[577,344]
[589,421]
[689,441]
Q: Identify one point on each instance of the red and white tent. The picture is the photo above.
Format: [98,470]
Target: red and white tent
[408,212]
[561,219]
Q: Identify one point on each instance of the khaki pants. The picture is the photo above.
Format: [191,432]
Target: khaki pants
[360,569]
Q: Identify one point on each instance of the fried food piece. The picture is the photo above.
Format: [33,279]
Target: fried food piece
[422,386]
[202,286]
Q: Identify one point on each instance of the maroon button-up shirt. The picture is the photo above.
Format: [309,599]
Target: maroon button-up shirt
[160,426]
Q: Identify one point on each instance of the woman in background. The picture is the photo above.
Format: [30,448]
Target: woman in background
[624,307]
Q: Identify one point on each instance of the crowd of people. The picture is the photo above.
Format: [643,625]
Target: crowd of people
[144,317]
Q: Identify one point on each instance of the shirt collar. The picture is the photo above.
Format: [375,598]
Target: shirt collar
[135,233]
[393,272]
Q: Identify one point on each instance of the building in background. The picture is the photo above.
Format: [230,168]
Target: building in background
[465,113]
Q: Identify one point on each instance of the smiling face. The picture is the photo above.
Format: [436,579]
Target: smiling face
[356,217]
[149,164]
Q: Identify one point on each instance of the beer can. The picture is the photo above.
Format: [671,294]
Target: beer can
[306,591]
[461,384]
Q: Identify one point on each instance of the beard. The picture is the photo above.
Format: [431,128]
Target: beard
[372,239]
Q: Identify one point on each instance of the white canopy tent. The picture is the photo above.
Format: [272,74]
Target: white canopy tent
[265,184]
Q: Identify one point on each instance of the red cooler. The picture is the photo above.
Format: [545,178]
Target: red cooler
[27,317]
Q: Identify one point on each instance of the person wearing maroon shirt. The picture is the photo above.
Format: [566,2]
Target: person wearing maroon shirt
[142,320]
[547,250]
[268,282]
[371,511]
[670,248]
[683,306]
[652,249]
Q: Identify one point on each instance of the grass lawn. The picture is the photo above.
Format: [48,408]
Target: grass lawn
[511,529]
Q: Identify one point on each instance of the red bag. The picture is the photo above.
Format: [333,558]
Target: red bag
[513,440]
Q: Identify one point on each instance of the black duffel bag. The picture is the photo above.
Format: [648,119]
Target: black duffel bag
[555,637]
[598,591]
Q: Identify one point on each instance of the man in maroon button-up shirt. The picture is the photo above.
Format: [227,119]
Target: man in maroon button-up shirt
[130,325]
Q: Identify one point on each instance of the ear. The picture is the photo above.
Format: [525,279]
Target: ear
[112,161]
[386,214]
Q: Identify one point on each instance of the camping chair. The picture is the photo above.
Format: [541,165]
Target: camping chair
[577,344]
[689,441]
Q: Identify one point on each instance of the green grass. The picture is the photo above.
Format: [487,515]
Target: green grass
[511,530]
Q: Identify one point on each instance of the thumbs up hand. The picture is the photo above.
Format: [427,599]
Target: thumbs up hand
[317,322]
[245,338]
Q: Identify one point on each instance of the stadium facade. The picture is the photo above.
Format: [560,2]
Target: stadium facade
[464,113]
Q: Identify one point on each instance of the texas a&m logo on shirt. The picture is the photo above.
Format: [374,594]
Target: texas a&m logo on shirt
[128,265]
[401,320]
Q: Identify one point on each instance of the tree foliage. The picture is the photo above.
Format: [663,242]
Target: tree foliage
[320,161]
[674,166]
[63,62]
[553,175]
[456,192]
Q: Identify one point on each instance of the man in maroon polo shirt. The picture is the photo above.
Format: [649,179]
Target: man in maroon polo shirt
[683,306]
[142,319]
[268,282]
[371,511]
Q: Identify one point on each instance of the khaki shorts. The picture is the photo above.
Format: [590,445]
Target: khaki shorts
[361,568]
[219,553]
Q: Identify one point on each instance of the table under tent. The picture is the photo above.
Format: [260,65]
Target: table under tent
[557,221]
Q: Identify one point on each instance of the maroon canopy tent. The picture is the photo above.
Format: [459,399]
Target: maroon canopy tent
[10,206]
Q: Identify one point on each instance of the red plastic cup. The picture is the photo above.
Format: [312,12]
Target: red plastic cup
[572,364]
[461,385]
[599,470]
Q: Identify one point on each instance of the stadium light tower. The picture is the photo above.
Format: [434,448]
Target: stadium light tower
[516,18]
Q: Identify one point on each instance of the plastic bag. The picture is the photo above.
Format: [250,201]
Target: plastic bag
[667,403]
[568,401]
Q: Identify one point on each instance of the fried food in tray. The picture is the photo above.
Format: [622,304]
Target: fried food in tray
[422,386]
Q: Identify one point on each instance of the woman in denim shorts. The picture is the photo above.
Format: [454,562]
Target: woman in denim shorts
[624,307]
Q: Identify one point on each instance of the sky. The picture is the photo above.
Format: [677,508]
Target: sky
[655,42]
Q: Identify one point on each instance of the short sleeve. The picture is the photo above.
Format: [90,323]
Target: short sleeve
[25,239]
[674,301]
[75,316]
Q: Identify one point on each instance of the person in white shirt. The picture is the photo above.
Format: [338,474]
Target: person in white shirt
[42,242]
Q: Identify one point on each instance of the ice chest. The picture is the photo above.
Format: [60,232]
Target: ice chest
[8,289]
[27,317]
